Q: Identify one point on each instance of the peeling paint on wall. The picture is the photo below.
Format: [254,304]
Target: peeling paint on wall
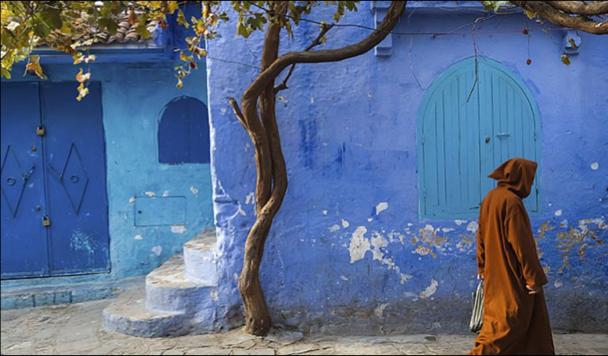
[194,190]
[178,229]
[157,250]
[359,245]
[381,207]
[334,228]
[430,290]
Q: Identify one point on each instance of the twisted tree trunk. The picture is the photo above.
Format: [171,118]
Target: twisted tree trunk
[258,117]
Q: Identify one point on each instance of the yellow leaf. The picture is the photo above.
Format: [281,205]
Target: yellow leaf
[530,14]
[184,57]
[83,77]
[179,84]
[82,91]
[565,59]
[173,5]
[78,58]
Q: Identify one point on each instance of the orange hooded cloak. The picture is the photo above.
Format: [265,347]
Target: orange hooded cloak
[514,321]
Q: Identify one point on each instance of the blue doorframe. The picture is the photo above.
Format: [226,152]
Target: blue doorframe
[60,225]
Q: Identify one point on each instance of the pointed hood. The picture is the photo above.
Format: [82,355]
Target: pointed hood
[517,175]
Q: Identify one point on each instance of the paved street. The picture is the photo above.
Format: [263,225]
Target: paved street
[76,329]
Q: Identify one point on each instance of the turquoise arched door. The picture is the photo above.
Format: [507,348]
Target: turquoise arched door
[475,116]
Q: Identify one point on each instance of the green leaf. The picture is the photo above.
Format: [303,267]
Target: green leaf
[52,18]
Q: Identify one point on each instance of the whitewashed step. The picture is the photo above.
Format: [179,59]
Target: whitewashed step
[127,314]
[200,259]
[169,289]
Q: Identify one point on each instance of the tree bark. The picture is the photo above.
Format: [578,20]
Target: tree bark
[576,21]
[258,117]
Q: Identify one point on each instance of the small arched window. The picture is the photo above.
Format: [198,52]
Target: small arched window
[183,132]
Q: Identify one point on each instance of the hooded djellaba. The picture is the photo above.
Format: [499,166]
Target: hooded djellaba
[515,319]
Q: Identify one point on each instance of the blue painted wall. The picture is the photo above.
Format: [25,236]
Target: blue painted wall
[348,243]
[133,97]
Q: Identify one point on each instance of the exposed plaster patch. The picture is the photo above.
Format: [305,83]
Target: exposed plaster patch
[466,243]
[157,250]
[446,229]
[558,284]
[344,278]
[378,242]
[150,194]
[379,311]
[345,223]
[370,219]
[324,212]
[359,245]
[558,212]
[430,290]
[381,207]
[250,198]
[214,295]
[178,229]
[472,227]
[334,228]
[166,193]
[460,222]
[580,238]
[423,250]
[595,166]
[131,200]
[194,190]
[138,237]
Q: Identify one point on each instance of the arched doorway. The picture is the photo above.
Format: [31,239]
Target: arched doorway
[476,115]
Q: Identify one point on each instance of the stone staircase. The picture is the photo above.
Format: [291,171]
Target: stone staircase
[179,296]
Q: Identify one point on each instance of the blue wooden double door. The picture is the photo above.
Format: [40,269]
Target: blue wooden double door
[475,116]
[54,204]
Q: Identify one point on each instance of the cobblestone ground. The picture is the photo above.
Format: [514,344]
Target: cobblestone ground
[76,329]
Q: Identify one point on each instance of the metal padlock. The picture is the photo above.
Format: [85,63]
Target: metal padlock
[40,130]
[46,221]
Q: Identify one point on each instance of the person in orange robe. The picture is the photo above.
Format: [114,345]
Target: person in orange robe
[515,317]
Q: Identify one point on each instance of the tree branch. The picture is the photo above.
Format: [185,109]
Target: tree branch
[547,12]
[593,8]
[237,111]
[331,55]
[319,40]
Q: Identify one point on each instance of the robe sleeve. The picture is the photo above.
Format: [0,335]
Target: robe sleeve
[481,257]
[519,235]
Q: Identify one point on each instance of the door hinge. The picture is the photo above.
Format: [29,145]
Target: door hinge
[40,130]
[46,221]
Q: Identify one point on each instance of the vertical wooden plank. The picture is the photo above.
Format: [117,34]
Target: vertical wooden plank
[430,159]
[441,166]
[452,169]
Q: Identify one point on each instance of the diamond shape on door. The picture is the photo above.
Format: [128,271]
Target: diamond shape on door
[73,177]
[13,180]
